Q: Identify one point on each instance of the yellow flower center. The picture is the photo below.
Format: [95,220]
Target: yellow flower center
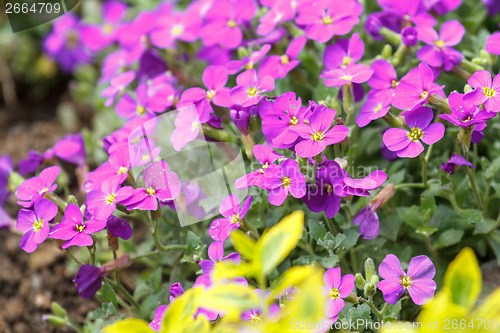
[285,181]
[377,109]
[424,94]
[38,225]
[293,121]
[110,198]
[335,293]
[72,39]
[252,91]
[195,125]
[394,84]
[218,264]
[439,43]
[141,110]
[249,65]
[329,188]
[489,92]
[318,136]
[468,119]
[177,30]
[80,227]
[150,191]
[346,77]
[122,170]
[285,59]
[327,19]
[264,167]
[231,23]
[43,190]
[211,94]
[406,281]
[145,157]
[346,60]
[256,317]
[108,28]
[235,218]
[415,134]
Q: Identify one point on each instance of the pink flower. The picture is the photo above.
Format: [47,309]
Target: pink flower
[74,230]
[337,287]
[356,73]
[486,91]
[102,203]
[233,213]
[33,189]
[249,87]
[35,224]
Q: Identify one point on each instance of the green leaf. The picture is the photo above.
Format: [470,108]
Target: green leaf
[243,244]
[463,279]
[411,216]
[130,325]
[361,312]
[317,230]
[472,216]
[276,243]
[427,206]
[486,227]
[330,261]
[350,239]
[108,294]
[449,237]
[392,312]
[494,240]
[194,243]
[426,231]
[228,298]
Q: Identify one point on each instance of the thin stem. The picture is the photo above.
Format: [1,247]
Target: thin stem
[424,169]
[400,186]
[162,247]
[348,101]
[125,294]
[330,224]
[369,302]
[474,187]
[431,249]
[73,257]
[145,255]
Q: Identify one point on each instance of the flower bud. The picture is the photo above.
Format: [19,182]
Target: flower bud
[370,289]
[54,320]
[72,199]
[409,36]
[58,310]
[370,270]
[360,281]
[352,298]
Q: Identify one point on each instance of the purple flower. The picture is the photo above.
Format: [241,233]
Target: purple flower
[129,107]
[266,156]
[74,230]
[435,52]
[249,87]
[159,184]
[442,7]
[248,62]
[35,224]
[240,116]
[465,115]
[257,314]
[412,93]
[280,11]
[175,291]
[376,106]
[214,79]
[485,91]
[70,149]
[119,227]
[97,37]
[233,213]
[88,280]
[117,167]
[217,259]
[278,66]
[102,203]
[318,135]
[369,224]
[493,41]
[118,84]
[191,195]
[157,322]
[493,7]
[409,36]
[407,143]
[321,196]
[477,134]
[419,280]
[284,179]
[31,163]
[279,117]
[356,73]
[223,20]
[455,161]
[384,76]
[176,26]
[64,43]
[187,127]
[337,287]
[33,189]
[6,168]
[344,52]
[324,19]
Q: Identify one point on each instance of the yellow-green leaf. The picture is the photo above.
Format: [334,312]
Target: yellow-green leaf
[463,279]
[131,325]
[490,308]
[292,278]
[275,244]
[180,313]
[243,244]
[228,270]
[228,298]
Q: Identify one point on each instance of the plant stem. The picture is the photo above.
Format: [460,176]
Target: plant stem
[125,294]
[424,169]
[348,101]
[369,302]
[162,247]
[74,258]
[330,224]
[400,186]
[474,187]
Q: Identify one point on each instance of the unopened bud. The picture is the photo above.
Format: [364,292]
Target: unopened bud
[352,298]
[370,289]
[360,281]
[72,199]
[370,270]
[58,310]
[387,52]
[54,320]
